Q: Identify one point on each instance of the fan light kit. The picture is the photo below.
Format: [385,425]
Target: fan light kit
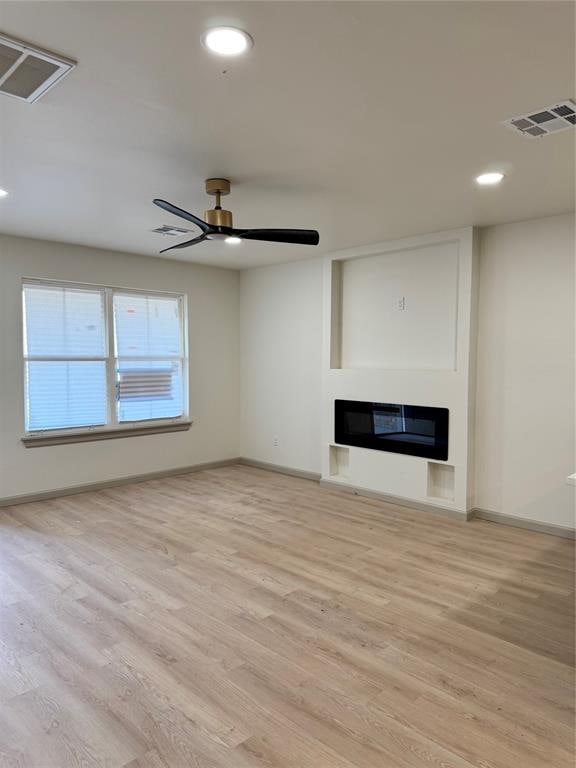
[227,41]
[489,179]
[217,223]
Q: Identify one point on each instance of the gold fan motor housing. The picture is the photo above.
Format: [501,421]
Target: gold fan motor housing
[218,217]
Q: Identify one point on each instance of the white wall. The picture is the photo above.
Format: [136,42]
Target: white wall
[214,371]
[525,380]
[525,360]
[399,309]
[281,333]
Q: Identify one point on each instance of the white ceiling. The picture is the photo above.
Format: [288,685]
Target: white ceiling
[367,121]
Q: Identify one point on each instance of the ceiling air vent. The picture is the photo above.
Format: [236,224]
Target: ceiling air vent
[27,72]
[534,125]
[171,231]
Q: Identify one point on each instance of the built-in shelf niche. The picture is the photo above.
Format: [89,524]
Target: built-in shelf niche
[440,481]
[339,462]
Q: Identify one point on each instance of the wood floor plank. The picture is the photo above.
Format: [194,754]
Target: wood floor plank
[238,618]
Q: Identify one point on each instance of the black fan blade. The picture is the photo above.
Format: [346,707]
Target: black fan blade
[185,244]
[183,214]
[296,236]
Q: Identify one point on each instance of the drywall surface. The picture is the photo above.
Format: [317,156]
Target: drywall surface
[213,368]
[281,331]
[525,382]
[399,309]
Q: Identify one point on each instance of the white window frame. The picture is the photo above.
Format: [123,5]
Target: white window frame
[113,427]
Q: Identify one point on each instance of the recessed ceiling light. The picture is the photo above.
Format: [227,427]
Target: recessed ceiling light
[227,41]
[233,240]
[3,193]
[489,179]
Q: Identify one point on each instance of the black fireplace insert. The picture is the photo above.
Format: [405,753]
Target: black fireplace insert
[416,430]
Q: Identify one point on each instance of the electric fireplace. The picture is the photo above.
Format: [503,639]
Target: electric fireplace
[416,430]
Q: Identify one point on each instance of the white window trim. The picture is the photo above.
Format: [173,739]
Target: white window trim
[113,428]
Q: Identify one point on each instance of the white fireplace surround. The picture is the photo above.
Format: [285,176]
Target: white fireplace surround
[424,290]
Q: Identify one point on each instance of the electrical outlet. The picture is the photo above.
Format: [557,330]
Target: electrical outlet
[402,303]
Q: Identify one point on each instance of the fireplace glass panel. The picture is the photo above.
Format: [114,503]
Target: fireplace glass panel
[411,429]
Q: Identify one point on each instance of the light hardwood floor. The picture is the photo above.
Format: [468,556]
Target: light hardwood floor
[238,618]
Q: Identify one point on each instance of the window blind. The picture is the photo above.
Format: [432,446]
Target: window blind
[65,357]
[149,349]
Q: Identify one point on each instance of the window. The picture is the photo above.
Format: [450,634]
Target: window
[102,358]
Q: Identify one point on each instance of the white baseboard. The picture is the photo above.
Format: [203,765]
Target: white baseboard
[54,493]
[524,522]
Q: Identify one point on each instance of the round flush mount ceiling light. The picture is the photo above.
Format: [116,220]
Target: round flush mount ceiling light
[489,179]
[227,41]
[3,193]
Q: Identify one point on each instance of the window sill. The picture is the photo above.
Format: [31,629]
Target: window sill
[88,435]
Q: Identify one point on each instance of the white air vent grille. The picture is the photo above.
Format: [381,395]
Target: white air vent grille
[534,125]
[26,72]
[171,231]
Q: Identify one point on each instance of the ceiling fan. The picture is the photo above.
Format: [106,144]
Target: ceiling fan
[217,223]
